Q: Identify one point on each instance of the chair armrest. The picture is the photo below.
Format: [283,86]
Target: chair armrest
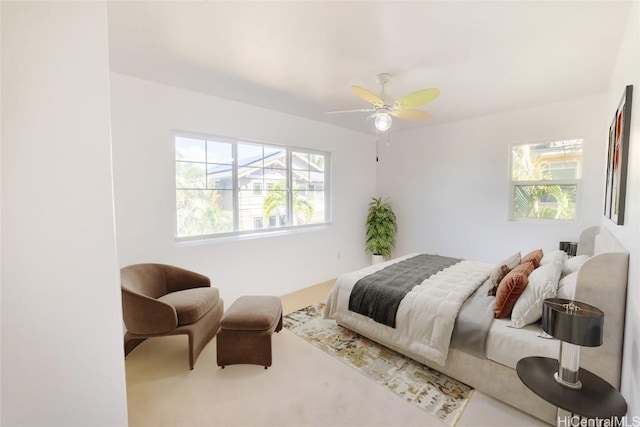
[179,279]
[147,316]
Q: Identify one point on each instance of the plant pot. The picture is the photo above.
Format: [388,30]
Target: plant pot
[376,259]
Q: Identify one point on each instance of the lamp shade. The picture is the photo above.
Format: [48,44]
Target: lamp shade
[573,321]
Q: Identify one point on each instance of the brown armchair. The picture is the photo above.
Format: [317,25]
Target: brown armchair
[160,300]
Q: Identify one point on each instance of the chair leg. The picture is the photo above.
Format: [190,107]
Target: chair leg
[203,331]
[131,343]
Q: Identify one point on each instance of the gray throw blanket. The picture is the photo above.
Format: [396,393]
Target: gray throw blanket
[378,295]
[473,322]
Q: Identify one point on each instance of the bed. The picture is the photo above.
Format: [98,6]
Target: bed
[458,291]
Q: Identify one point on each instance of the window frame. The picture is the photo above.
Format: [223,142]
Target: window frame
[266,230]
[574,181]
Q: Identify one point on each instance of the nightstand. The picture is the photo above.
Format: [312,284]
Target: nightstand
[596,399]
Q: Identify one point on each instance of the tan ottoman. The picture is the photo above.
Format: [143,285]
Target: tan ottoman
[245,331]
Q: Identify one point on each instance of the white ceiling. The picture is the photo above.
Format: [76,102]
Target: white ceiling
[302,57]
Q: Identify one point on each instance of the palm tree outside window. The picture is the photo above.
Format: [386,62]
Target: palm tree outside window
[545,179]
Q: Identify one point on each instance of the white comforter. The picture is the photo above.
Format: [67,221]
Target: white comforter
[426,315]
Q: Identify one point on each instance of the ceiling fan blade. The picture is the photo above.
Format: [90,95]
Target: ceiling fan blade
[359,110]
[417,98]
[411,114]
[367,96]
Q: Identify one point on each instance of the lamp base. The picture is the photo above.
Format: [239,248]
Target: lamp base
[575,386]
[568,366]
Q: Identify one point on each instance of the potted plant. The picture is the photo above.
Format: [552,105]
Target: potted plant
[381,229]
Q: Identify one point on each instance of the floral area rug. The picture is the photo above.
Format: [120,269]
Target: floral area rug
[439,395]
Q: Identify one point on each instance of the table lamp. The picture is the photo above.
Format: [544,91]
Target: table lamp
[575,324]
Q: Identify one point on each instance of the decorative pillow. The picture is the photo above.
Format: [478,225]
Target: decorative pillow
[567,286]
[534,256]
[501,270]
[543,283]
[510,288]
[573,264]
[555,256]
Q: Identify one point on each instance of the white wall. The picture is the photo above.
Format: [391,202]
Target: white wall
[627,71]
[62,355]
[449,183]
[144,114]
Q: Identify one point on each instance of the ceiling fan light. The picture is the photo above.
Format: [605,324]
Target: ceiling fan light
[383,121]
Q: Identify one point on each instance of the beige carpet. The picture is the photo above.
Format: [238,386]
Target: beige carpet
[304,387]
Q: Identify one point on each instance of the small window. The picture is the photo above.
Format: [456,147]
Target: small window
[257,189]
[545,179]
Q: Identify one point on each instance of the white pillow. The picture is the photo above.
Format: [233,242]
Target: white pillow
[543,283]
[558,255]
[573,264]
[567,286]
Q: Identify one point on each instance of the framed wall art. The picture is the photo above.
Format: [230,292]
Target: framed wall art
[618,159]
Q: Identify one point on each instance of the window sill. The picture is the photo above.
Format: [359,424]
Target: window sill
[250,235]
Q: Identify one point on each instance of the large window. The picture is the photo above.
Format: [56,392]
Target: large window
[545,179]
[227,186]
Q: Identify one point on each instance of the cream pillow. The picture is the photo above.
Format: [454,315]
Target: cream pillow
[553,257]
[543,283]
[573,264]
[567,286]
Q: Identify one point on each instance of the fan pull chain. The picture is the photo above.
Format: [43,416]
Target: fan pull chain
[378,142]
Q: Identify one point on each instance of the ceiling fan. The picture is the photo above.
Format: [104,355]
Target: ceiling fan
[383,107]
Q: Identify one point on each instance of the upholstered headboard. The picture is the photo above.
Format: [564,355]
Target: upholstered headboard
[596,240]
[602,282]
